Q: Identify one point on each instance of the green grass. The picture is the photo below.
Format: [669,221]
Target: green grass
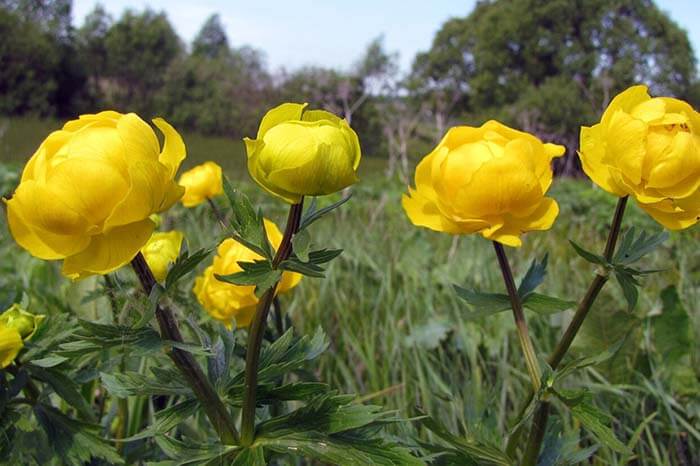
[399,335]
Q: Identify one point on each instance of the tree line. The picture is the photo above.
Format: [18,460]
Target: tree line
[541,66]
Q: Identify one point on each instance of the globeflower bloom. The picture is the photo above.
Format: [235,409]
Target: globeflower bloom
[86,194]
[16,325]
[301,152]
[648,148]
[201,183]
[226,302]
[491,180]
[161,250]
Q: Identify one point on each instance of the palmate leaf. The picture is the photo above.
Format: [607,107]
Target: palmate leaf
[186,452]
[258,273]
[74,441]
[632,248]
[491,303]
[460,449]
[247,223]
[332,428]
[64,387]
[127,384]
[312,267]
[593,419]
[286,354]
[312,214]
[167,419]
[184,264]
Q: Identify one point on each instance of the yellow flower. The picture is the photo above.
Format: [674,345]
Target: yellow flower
[226,302]
[24,322]
[201,183]
[10,344]
[490,180]
[161,250]
[301,152]
[648,148]
[87,193]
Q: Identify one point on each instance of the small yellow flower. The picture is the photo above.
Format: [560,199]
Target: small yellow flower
[490,180]
[226,302]
[161,250]
[648,148]
[201,183]
[87,193]
[301,152]
[24,322]
[10,344]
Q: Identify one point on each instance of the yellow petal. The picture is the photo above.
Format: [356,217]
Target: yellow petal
[109,251]
[676,173]
[151,190]
[174,150]
[280,114]
[44,225]
[424,212]
[673,218]
[10,344]
[591,154]
[625,101]
[625,139]
[140,141]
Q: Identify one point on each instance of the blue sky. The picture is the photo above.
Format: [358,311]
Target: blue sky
[332,33]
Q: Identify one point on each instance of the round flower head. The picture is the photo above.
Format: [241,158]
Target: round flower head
[648,148]
[201,183]
[86,194]
[491,180]
[161,250]
[301,152]
[226,302]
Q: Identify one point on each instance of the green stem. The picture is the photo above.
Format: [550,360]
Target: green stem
[217,213]
[257,329]
[542,413]
[533,367]
[213,406]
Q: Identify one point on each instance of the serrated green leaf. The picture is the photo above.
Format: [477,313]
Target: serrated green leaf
[596,422]
[484,303]
[127,384]
[167,419]
[250,457]
[480,453]
[543,304]
[74,441]
[50,361]
[533,277]
[247,223]
[64,387]
[301,245]
[312,214]
[589,256]
[259,274]
[190,453]
[581,363]
[629,287]
[633,248]
[295,265]
[332,428]
[184,264]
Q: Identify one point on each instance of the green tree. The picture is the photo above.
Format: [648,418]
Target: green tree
[91,43]
[140,48]
[549,66]
[28,66]
[211,41]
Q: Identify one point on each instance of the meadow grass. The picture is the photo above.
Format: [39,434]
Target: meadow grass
[401,338]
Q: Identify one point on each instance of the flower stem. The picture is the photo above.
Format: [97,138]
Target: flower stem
[217,213]
[257,329]
[213,406]
[533,367]
[542,413]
